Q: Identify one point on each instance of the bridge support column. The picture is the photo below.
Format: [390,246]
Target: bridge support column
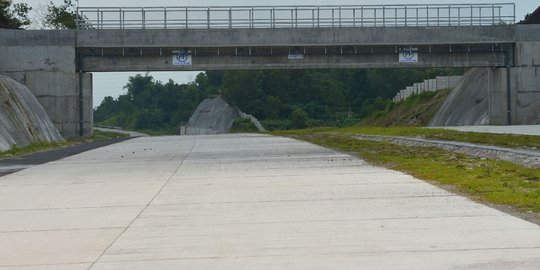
[524,96]
[524,88]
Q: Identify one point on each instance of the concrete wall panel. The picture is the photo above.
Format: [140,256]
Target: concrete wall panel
[527,54]
[33,58]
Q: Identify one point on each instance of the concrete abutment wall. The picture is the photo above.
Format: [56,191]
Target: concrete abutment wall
[524,88]
[45,61]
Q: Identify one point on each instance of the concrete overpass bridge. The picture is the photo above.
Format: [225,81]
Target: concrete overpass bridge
[57,65]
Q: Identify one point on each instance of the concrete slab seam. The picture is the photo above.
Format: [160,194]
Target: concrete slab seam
[146,206]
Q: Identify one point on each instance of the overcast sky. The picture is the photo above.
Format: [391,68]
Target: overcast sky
[111,84]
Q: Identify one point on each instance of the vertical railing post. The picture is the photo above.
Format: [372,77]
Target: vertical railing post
[100,19]
[459,16]
[165,17]
[312,18]
[354,17]
[274,17]
[396,17]
[318,17]
[230,18]
[406,15]
[252,17]
[480,15]
[384,16]
[417,10]
[472,14]
[427,15]
[492,14]
[296,16]
[362,16]
[449,15]
[208,18]
[514,11]
[438,17]
[143,18]
[120,19]
[375,16]
[333,18]
[292,18]
[187,18]
[339,16]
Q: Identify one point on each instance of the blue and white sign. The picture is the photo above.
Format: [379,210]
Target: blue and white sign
[296,56]
[408,55]
[182,58]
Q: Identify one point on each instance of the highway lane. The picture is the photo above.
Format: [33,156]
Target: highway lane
[245,202]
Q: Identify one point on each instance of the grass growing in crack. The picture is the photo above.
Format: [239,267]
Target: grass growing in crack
[497,182]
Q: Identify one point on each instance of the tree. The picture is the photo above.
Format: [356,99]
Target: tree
[61,17]
[299,118]
[14,15]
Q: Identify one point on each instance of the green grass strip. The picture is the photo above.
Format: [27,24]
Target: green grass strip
[504,140]
[484,180]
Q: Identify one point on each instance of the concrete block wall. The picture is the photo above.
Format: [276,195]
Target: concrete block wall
[46,64]
[430,85]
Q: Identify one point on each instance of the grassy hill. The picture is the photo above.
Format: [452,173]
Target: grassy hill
[416,110]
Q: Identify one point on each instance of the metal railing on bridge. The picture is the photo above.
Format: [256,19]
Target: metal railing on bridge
[295,16]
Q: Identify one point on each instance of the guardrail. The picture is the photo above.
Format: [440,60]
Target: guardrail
[295,16]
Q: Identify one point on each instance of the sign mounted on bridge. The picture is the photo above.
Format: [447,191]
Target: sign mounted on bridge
[182,58]
[408,55]
[296,56]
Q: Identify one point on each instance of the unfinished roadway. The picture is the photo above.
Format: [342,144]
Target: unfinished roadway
[245,202]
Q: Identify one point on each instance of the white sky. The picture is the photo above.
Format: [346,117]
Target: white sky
[111,84]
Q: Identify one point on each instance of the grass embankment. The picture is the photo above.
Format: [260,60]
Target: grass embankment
[416,110]
[43,146]
[488,181]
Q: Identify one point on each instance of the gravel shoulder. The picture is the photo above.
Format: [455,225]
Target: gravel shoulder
[527,158]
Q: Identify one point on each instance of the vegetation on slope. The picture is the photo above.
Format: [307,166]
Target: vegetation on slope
[415,111]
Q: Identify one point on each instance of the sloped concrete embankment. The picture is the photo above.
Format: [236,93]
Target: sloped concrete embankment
[468,103]
[215,116]
[22,119]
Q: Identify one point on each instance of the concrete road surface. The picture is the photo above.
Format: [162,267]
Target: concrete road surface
[245,202]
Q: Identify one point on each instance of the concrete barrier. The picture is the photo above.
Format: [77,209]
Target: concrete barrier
[430,85]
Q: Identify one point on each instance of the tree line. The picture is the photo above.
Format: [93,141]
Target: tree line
[281,99]
[16,15]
